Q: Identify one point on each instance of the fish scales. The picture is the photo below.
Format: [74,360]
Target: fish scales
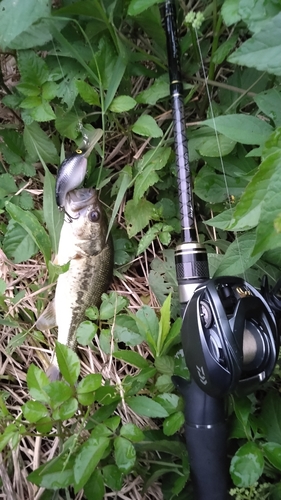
[84,244]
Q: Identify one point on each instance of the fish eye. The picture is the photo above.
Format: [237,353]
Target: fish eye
[79,151]
[94,216]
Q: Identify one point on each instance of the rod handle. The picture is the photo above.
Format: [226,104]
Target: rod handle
[206,440]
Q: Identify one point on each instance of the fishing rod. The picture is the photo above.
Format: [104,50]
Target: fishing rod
[229,334]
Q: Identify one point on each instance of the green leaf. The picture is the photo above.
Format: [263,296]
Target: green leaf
[55,474]
[112,304]
[171,402]
[38,143]
[165,364]
[158,90]
[125,454]
[173,423]
[66,410]
[122,103]
[86,332]
[126,330]
[136,7]
[112,477]
[87,459]
[67,123]
[131,432]
[241,128]
[68,362]
[107,395]
[214,188]
[90,383]
[138,215]
[49,90]
[146,407]
[9,433]
[270,418]
[58,392]
[15,18]
[262,51]
[146,170]
[164,383]
[43,112]
[33,69]
[148,325]
[147,126]
[37,380]
[132,358]
[88,93]
[248,209]
[33,411]
[33,227]
[116,77]
[18,244]
[272,452]
[230,12]
[164,324]
[224,49]
[95,483]
[269,102]
[52,216]
[247,465]
[238,256]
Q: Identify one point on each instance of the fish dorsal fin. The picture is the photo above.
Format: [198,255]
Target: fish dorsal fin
[47,319]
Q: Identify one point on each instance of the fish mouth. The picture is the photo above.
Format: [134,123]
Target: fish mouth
[78,199]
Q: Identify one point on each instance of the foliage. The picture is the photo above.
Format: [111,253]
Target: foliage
[90,64]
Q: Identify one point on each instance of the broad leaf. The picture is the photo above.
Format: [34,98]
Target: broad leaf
[87,459]
[262,51]
[125,454]
[247,465]
[146,407]
[37,142]
[69,363]
[238,256]
[246,129]
[147,126]
[18,244]
[55,474]
[33,227]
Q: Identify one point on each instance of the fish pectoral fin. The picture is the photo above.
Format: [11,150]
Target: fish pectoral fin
[47,319]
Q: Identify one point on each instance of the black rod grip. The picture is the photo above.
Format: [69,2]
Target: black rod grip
[206,439]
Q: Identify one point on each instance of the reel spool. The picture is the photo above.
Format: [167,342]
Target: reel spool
[229,337]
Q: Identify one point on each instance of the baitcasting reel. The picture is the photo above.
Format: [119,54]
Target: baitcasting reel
[229,337]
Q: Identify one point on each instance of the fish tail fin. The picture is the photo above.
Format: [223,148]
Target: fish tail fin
[53,373]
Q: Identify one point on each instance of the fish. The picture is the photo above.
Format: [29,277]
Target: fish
[72,171]
[84,244]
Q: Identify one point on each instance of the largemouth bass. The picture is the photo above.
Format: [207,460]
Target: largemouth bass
[83,243]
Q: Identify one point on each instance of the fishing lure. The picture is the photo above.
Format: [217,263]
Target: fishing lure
[71,174]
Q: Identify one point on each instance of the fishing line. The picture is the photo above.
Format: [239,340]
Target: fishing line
[219,147]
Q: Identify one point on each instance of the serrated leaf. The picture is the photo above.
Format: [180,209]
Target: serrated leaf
[269,102]
[247,465]
[33,227]
[49,90]
[146,407]
[147,126]
[262,51]
[112,304]
[88,93]
[165,364]
[67,123]
[87,459]
[33,69]
[125,454]
[270,418]
[43,112]
[241,128]
[37,142]
[16,17]
[146,170]
[66,410]
[238,256]
[68,362]
[138,215]
[155,92]
[230,12]
[18,244]
[122,103]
